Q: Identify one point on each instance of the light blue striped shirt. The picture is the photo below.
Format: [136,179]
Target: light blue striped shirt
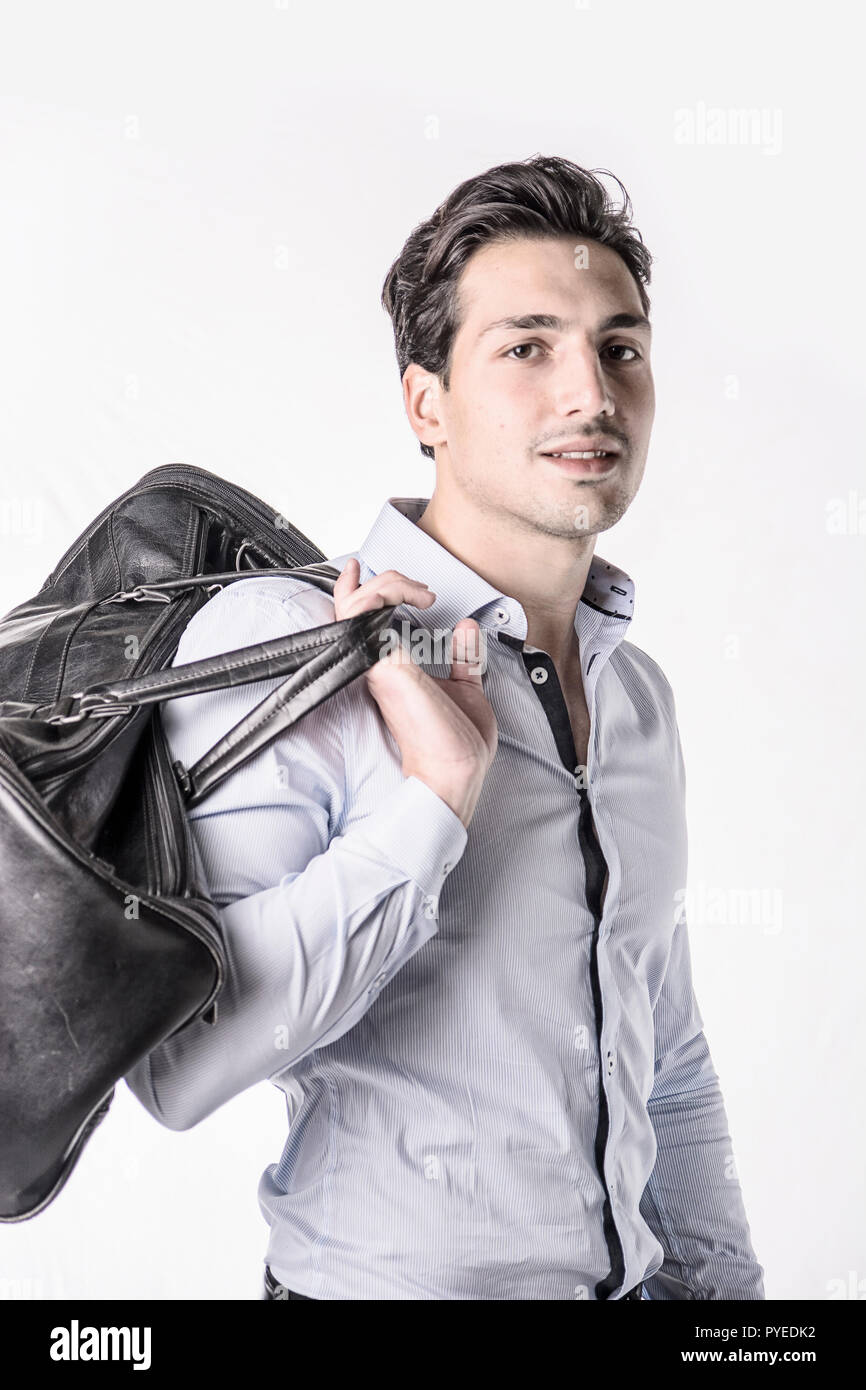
[497,1081]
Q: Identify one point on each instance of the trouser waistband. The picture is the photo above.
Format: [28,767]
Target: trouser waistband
[274,1289]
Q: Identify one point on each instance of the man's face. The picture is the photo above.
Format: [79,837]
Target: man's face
[516,393]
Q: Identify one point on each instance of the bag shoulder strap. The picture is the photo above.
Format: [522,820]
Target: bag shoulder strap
[242,666]
[317,662]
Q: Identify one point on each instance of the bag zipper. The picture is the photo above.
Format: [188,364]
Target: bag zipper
[249,510]
[63,763]
[204,486]
[161,810]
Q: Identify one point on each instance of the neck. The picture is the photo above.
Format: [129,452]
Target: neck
[545,573]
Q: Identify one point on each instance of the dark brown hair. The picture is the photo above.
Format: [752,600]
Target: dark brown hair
[537,197]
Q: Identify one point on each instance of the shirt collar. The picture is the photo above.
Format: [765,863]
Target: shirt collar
[395,541]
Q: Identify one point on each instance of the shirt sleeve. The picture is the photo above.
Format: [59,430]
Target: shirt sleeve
[314,922]
[693,1202]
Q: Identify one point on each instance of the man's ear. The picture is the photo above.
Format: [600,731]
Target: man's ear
[422,392]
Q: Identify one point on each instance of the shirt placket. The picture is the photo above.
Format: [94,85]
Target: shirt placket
[542,673]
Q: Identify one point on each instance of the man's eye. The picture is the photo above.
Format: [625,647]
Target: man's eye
[624,347]
[517,347]
[618,347]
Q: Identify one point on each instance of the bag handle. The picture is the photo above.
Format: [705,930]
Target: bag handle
[279,657]
[318,662]
[354,650]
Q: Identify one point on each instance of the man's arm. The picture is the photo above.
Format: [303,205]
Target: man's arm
[314,922]
[693,1203]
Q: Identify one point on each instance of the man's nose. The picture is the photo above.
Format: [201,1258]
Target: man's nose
[581,384]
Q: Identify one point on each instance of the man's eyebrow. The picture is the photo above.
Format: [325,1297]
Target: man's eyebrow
[530,321]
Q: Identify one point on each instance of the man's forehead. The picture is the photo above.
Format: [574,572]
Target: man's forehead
[503,282]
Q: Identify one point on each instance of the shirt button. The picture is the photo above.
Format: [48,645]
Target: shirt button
[446,868]
[538,674]
[429,907]
[611,1061]
[379,981]
[502,615]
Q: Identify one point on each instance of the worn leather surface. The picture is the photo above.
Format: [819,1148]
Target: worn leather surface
[108,943]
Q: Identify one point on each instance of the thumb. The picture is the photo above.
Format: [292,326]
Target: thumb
[467,651]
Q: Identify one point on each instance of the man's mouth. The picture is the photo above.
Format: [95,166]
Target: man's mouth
[585,462]
[584,454]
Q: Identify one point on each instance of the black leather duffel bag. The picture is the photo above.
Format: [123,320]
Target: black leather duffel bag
[108,943]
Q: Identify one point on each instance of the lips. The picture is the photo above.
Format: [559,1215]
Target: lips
[596,444]
[595,466]
[583,454]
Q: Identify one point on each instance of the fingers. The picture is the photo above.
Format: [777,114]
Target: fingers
[392,588]
[345,585]
[466,651]
[388,588]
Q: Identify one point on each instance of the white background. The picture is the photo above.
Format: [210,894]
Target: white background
[199,204]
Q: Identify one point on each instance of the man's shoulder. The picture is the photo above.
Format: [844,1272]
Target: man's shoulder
[263,602]
[297,596]
[294,595]
[638,669]
[246,613]
[641,661]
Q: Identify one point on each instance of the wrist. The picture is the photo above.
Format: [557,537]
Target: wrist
[461,797]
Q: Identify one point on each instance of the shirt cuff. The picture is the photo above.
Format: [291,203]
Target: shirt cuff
[418,832]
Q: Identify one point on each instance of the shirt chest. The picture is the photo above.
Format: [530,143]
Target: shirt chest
[561,694]
[578,714]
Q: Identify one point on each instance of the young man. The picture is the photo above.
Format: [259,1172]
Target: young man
[450,893]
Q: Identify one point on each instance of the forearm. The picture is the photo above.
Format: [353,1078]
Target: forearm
[307,957]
